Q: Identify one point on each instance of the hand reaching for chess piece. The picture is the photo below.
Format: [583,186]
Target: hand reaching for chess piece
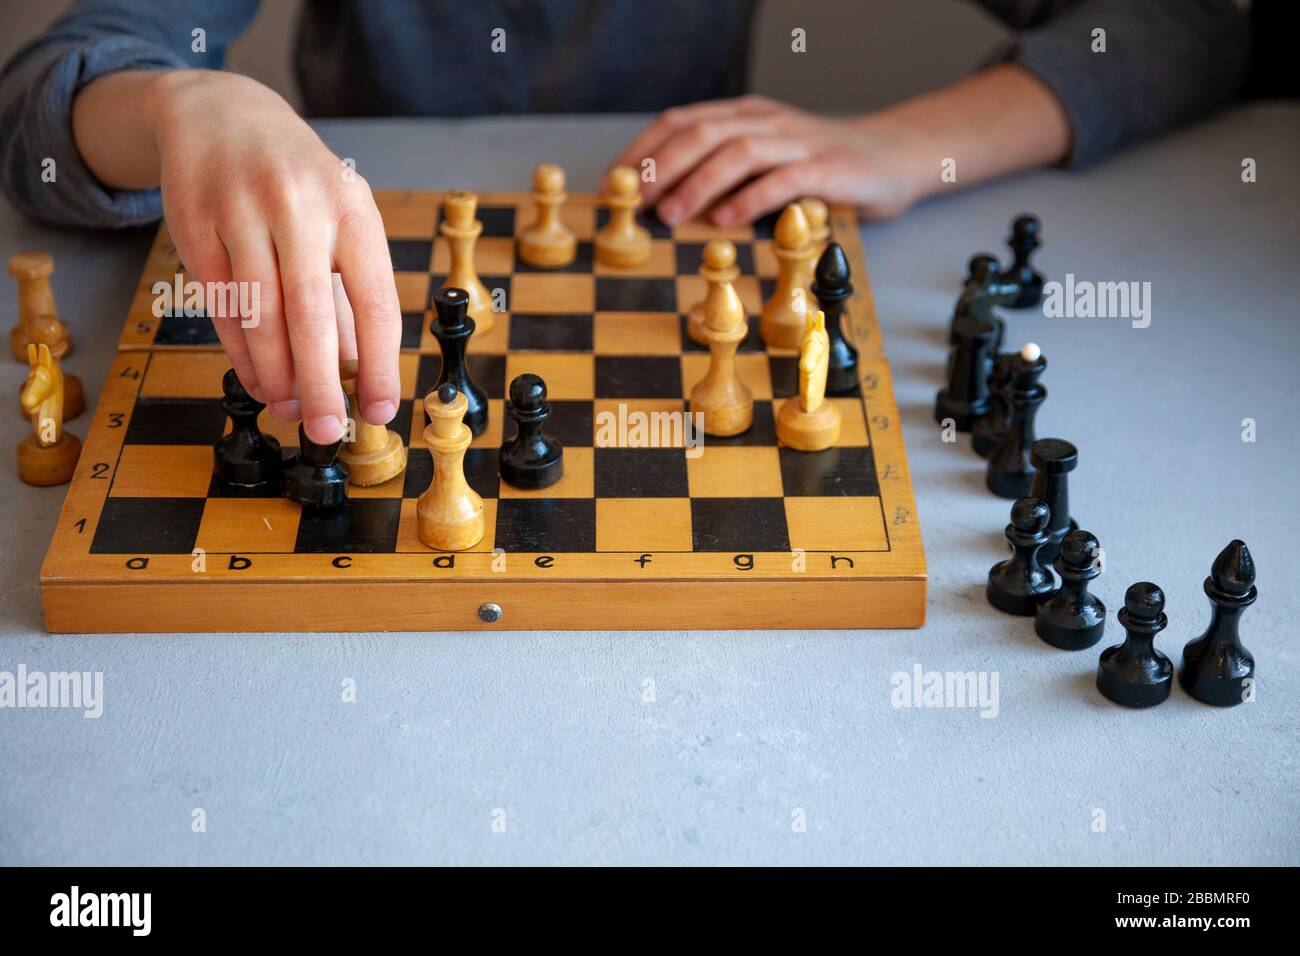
[265,202]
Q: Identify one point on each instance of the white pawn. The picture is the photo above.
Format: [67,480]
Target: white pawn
[548,243]
[725,401]
[623,242]
[719,268]
[462,229]
[376,452]
[782,320]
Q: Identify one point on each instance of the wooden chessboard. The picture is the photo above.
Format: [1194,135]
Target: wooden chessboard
[743,535]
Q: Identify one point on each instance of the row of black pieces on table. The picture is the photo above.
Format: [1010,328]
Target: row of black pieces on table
[1216,669]
[987,285]
[1020,284]
[992,394]
[995,397]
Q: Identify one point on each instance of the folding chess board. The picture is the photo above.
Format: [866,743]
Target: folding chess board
[739,533]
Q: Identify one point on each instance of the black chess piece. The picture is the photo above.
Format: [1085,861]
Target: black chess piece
[245,462]
[981,267]
[966,396]
[452,327]
[985,290]
[981,270]
[1073,619]
[315,476]
[531,459]
[992,425]
[1134,673]
[1053,460]
[1017,584]
[1010,471]
[1023,241]
[832,288]
[1217,669]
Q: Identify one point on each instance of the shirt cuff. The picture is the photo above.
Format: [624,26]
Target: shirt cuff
[1067,66]
[43,116]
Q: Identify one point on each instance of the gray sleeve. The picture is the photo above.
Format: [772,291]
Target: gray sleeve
[1166,62]
[39,83]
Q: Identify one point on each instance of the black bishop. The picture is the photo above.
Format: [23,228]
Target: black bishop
[1217,668]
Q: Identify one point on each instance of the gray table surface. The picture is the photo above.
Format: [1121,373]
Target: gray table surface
[750,733]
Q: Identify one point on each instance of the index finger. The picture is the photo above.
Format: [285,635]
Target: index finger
[361,256]
[313,328]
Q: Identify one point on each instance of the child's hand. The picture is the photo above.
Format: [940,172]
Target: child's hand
[252,194]
[748,156]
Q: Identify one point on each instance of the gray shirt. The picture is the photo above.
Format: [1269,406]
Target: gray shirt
[1165,62]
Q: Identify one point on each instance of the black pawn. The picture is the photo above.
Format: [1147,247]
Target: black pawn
[245,462]
[314,476]
[981,270]
[531,459]
[1134,673]
[1053,460]
[992,425]
[452,328]
[1023,241]
[832,288]
[966,396]
[1216,667]
[1010,471]
[1017,584]
[1073,619]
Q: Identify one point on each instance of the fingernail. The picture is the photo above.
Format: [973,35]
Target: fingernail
[670,212]
[380,413]
[324,429]
[287,411]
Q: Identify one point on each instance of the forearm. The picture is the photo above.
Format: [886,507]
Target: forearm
[113,126]
[998,121]
[41,157]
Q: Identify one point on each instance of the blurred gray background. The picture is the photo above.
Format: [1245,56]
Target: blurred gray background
[891,49]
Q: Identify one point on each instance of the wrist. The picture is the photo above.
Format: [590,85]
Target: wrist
[165,92]
[907,154]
